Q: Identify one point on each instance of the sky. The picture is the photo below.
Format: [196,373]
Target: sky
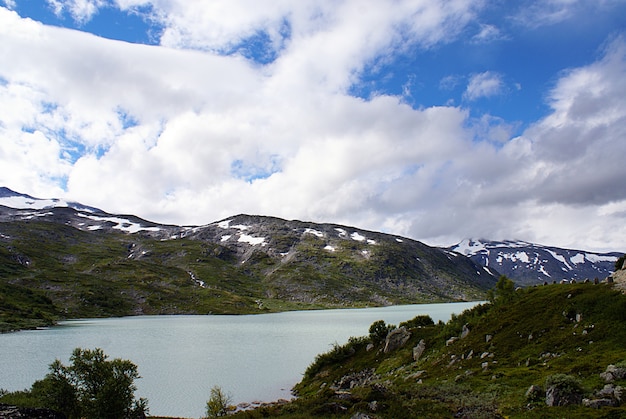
[437,120]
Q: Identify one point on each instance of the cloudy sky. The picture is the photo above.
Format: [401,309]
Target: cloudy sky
[433,119]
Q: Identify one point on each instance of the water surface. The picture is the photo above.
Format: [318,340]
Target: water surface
[253,357]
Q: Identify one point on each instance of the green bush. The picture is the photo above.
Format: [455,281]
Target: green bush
[418,321]
[91,387]
[379,331]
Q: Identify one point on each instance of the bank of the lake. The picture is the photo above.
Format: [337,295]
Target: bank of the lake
[252,357]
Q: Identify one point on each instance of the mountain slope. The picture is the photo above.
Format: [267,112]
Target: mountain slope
[530,264]
[82,262]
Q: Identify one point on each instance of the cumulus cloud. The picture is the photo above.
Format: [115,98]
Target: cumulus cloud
[484,84]
[190,134]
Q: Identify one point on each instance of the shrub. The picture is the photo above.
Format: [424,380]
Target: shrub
[90,387]
[418,321]
[379,331]
[218,404]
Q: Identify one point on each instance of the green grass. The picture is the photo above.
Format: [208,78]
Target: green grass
[446,388]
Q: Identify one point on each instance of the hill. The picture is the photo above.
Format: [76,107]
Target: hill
[68,260]
[540,352]
[533,264]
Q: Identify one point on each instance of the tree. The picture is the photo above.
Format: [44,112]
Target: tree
[619,263]
[218,404]
[92,387]
[503,293]
[379,331]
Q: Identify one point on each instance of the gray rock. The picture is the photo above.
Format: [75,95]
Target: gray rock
[599,403]
[419,350]
[556,396]
[465,331]
[396,339]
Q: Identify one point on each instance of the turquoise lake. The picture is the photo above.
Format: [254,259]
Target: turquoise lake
[253,358]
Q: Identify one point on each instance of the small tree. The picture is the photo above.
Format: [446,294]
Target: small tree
[503,293]
[92,387]
[619,263]
[379,331]
[218,404]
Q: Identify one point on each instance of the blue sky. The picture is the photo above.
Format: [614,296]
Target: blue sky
[437,120]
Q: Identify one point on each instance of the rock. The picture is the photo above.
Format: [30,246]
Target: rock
[488,338]
[360,415]
[369,347]
[13,412]
[396,339]
[599,403]
[451,340]
[613,373]
[556,396]
[419,350]
[465,331]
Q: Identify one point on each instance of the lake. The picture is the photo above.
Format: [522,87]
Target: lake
[252,358]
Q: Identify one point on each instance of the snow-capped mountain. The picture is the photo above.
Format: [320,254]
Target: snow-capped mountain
[530,264]
[12,199]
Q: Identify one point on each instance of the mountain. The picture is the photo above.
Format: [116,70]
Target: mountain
[530,264]
[67,260]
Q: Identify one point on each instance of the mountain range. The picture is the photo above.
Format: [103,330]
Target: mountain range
[533,264]
[62,259]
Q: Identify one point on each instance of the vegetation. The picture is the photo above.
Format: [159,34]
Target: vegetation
[50,270]
[518,346]
[219,404]
[91,387]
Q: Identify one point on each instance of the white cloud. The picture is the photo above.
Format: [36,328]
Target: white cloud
[484,84]
[192,137]
[81,10]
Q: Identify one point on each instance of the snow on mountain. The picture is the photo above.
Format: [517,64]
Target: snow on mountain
[12,199]
[530,264]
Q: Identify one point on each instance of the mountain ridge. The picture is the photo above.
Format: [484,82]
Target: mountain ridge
[88,263]
[533,264]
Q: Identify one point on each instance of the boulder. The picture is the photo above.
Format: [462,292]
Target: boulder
[419,350]
[396,339]
[599,403]
[613,373]
[557,396]
[13,412]
[465,331]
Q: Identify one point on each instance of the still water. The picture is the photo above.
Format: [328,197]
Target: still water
[255,357]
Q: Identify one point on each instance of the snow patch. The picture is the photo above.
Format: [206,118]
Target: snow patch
[120,224]
[356,236]
[225,238]
[342,232]
[314,232]
[560,259]
[223,224]
[370,241]
[244,238]
[399,240]
[329,248]
[593,257]
[579,258]
[542,270]
[468,247]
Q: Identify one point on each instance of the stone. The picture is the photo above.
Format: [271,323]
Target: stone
[13,412]
[613,373]
[451,340]
[419,350]
[396,339]
[488,338]
[465,331]
[556,396]
[599,403]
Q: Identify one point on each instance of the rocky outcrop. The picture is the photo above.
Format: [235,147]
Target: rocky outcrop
[419,350]
[613,373]
[14,412]
[396,339]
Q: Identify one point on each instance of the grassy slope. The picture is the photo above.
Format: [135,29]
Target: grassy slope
[532,338]
[50,271]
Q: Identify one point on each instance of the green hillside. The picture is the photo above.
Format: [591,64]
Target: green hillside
[57,267]
[563,334]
